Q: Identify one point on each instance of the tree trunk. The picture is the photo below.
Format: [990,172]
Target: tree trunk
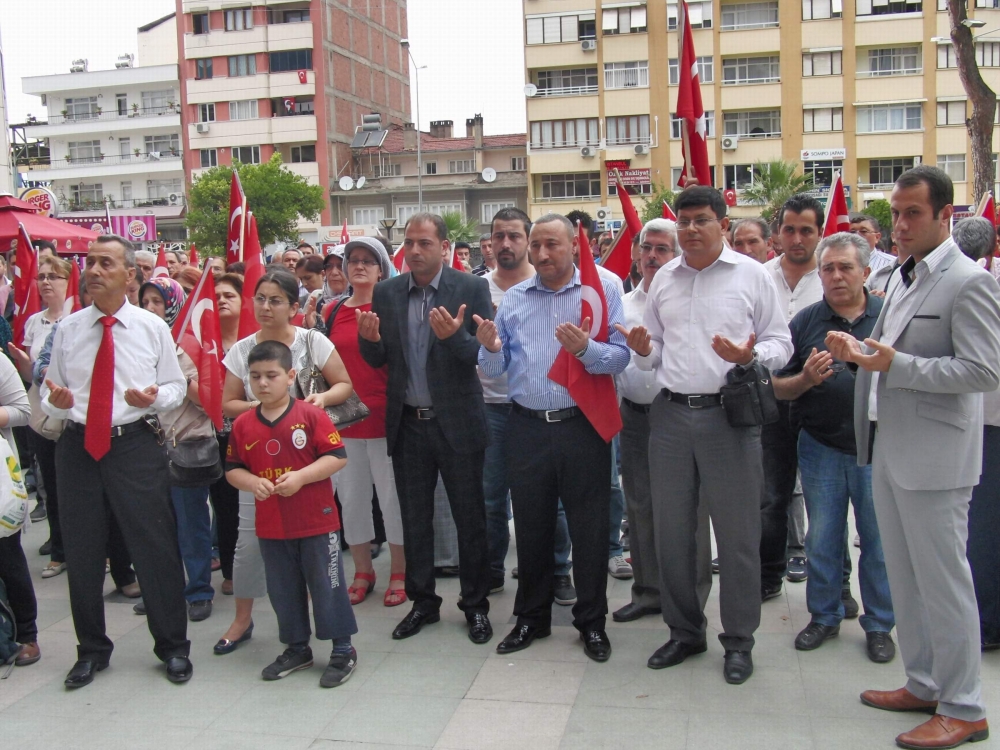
[983,98]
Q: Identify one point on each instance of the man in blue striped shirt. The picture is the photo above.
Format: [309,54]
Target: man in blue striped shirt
[553,452]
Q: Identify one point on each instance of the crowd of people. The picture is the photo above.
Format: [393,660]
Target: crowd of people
[874,367]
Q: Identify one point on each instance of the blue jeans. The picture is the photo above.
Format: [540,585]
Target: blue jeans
[194,533]
[830,480]
[496,489]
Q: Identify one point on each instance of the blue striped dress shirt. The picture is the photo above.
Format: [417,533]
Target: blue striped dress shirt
[526,323]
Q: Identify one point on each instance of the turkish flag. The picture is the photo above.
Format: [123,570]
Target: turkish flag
[619,258]
[668,212]
[594,394]
[729,196]
[252,273]
[399,260]
[199,333]
[689,106]
[345,237]
[836,209]
[456,262]
[237,220]
[160,269]
[303,76]
[987,208]
[193,256]
[26,299]
[72,302]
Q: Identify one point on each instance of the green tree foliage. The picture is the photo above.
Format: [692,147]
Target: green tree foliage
[461,229]
[879,210]
[652,207]
[276,196]
[774,182]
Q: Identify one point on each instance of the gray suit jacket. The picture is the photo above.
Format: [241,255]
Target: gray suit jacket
[930,404]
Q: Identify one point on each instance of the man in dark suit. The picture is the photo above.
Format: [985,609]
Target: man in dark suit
[421,326]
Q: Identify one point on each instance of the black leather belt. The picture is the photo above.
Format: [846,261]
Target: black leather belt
[116,431]
[420,412]
[549,415]
[694,400]
[641,408]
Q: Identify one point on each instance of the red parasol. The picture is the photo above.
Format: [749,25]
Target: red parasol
[68,239]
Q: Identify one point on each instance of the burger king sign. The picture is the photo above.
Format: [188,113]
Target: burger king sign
[42,199]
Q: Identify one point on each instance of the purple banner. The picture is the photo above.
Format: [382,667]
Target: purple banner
[135,228]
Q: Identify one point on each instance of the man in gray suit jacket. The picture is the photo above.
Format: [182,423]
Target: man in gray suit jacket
[918,398]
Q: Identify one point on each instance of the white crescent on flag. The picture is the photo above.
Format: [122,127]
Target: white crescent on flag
[590,297]
[200,309]
[235,215]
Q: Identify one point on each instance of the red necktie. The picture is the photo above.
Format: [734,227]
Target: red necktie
[97,438]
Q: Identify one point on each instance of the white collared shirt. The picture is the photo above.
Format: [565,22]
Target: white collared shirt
[145,355]
[733,297]
[807,292]
[635,384]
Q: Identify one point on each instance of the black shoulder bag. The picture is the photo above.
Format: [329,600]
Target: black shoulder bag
[748,396]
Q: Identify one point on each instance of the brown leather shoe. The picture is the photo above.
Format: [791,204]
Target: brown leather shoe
[897,700]
[943,732]
[29,654]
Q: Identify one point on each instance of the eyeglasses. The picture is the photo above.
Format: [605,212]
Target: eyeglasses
[270,301]
[647,248]
[700,223]
[366,262]
[862,230]
[50,277]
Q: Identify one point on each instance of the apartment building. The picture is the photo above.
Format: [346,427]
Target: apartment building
[866,87]
[288,76]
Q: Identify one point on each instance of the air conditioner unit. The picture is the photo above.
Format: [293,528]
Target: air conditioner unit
[641,149]
[201,127]
[587,152]
[125,61]
[588,45]
[603,213]
[730,142]
[173,197]
[78,66]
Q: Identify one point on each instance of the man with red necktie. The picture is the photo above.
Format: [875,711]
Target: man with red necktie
[110,462]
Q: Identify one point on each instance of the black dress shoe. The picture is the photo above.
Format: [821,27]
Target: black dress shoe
[82,673]
[881,649]
[851,608]
[521,637]
[738,667]
[179,669]
[632,611]
[769,592]
[200,610]
[480,630]
[814,635]
[672,653]
[446,571]
[596,645]
[412,623]
[226,646]
[46,549]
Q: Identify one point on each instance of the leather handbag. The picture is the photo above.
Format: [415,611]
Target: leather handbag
[46,426]
[748,396]
[310,380]
[194,463]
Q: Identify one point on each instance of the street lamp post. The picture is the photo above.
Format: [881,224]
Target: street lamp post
[405,44]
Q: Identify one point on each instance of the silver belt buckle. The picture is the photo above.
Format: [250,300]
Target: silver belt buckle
[691,405]
[549,419]
[420,413]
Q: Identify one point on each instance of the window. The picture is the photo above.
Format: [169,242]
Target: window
[953,165]
[675,176]
[951,113]
[293,16]
[82,193]
[489,210]
[126,191]
[81,108]
[163,188]
[706,70]
[823,120]
[749,16]
[461,166]
[887,171]
[246,154]
[624,20]
[206,113]
[203,68]
[369,215]
[209,158]
[893,61]
[169,143]
[676,124]
[813,10]
[738,70]
[577,185]
[626,75]
[889,118]
[623,131]
[294,59]
[739,176]
[988,4]
[125,148]
[302,154]
[765,123]
[446,208]
[946,56]
[822,64]
[886,7]
[239,19]
[430,167]
[200,21]
[988,54]
[565,133]
[404,212]
[822,171]
[519,164]
[121,104]
[158,101]
[573,82]
[84,151]
[243,110]
[242,65]
[387,170]
[571,27]
[289,107]
[699,13]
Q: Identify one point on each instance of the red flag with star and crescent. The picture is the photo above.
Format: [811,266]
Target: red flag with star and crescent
[199,333]
[690,108]
[26,299]
[987,208]
[668,212]
[252,272]
[619,257]
[594,394]
[72,302]
[237,220]
[160,269]
[836,209]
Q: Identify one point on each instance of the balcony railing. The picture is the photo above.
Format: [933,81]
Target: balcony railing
[889,72]
[86,205]
[110,116]
[626,78]
[629,140]
[568,91]
[112,159]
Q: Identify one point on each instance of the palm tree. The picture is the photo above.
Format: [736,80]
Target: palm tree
[774,182]
[460,229]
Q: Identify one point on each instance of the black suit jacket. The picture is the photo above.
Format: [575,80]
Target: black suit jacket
[454,383]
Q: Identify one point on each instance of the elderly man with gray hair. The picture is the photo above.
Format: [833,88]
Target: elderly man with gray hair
[821,390]
[975,236]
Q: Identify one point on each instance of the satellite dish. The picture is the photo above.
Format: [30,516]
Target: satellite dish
[530,90]
[361,182]
[346,183]
[489,174]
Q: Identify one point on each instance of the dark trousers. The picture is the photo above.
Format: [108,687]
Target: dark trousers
[984,531]
[45,454]
[639,501]
[131,485]
[226,507]
[20,592]
[547,462]
[420,453]
[779,443]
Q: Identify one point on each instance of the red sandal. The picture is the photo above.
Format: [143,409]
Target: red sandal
[395,597]
[356,593]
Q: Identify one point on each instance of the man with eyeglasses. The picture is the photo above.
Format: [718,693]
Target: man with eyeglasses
[706,311]
[869,230]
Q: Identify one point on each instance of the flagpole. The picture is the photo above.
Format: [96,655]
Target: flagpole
[685,137]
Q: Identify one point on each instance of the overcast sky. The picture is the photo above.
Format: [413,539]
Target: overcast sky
[473,51]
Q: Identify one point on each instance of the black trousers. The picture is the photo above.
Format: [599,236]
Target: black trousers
[130,484]
[20,592]
[45,453]
[420,453]
[780,448]
[226,505]
[547,462]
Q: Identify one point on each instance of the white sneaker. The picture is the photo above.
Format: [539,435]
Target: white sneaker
[618,568]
